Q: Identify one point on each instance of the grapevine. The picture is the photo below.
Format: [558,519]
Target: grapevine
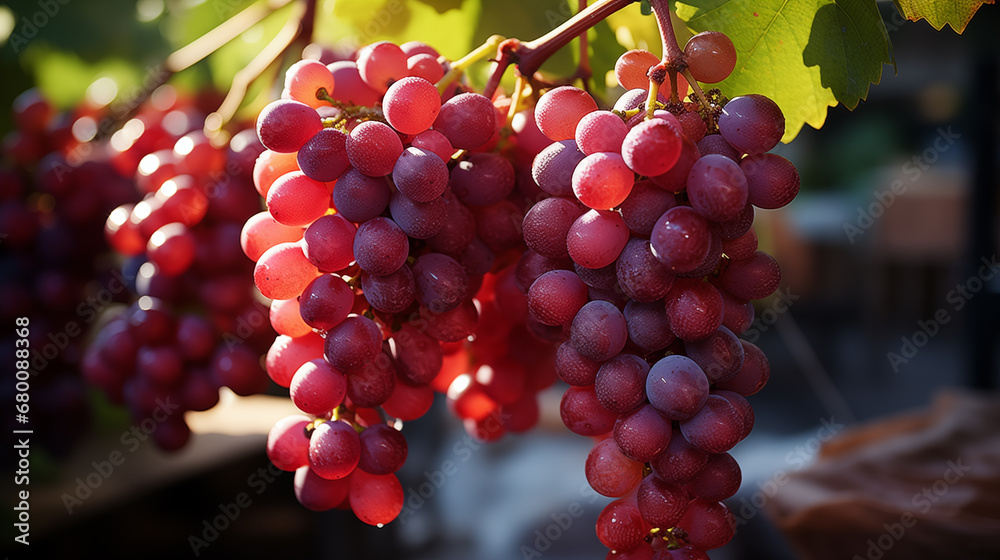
[385,228]
[633,267]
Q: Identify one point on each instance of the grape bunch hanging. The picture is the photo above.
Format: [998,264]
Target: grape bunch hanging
[413,243]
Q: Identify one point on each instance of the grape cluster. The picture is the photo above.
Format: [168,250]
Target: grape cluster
[388,250]
[193,323]
[410,247]
[54,268]
[653,286]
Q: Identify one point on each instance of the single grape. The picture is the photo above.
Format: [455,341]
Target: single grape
[468,120]
[677,387]
[694,309]
[353,343]
[334,450]
[609,472]
[602,180]
[583,414]
[373,148]
[648,327]
[296,200]
[285,125]
[708,524]
[305,78]
[283,271]
[643,206]
[680,462]
[720,355]
[324,157]
[772,181]
[717,188]
[317,387]
[553,167]
[711,56]
[556,296]
[317,493]
[681,239]
[441,283]
[596,238]
[640,274]
[652,147]
[716,428]
[574,368]
[560,109]
[600,131]
[376,499]
[753,124]
[380,246]
[598,331]
[286,355]
[661,503]
[632,67]
[349,88]
[482,179]
[547,224]
[328,243]
[326,301]
[380,64]
[419,220]
[620,526]
[755,277]
[389,293]
[719,480]
[753,375]
[620,384]
[420,174]
[383,449]
[411,105]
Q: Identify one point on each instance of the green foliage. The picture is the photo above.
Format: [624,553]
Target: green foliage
[938,13]
[806,56]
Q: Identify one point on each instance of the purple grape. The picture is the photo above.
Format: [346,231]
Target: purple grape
[441,283]
[598,331]
[640,274]
[677,387]
[482,179]
[358,197]
[380,246]
[620,384]
[642,434]
[420,174]
[389,293]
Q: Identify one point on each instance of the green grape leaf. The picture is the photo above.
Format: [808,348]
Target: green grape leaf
[806,56]
[938,13]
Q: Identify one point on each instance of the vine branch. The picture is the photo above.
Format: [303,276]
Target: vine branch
[530,56]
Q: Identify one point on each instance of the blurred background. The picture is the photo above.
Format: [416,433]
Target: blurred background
[888,302]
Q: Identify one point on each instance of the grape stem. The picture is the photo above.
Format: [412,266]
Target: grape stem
[674,62]
[529,57]
[460,65]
